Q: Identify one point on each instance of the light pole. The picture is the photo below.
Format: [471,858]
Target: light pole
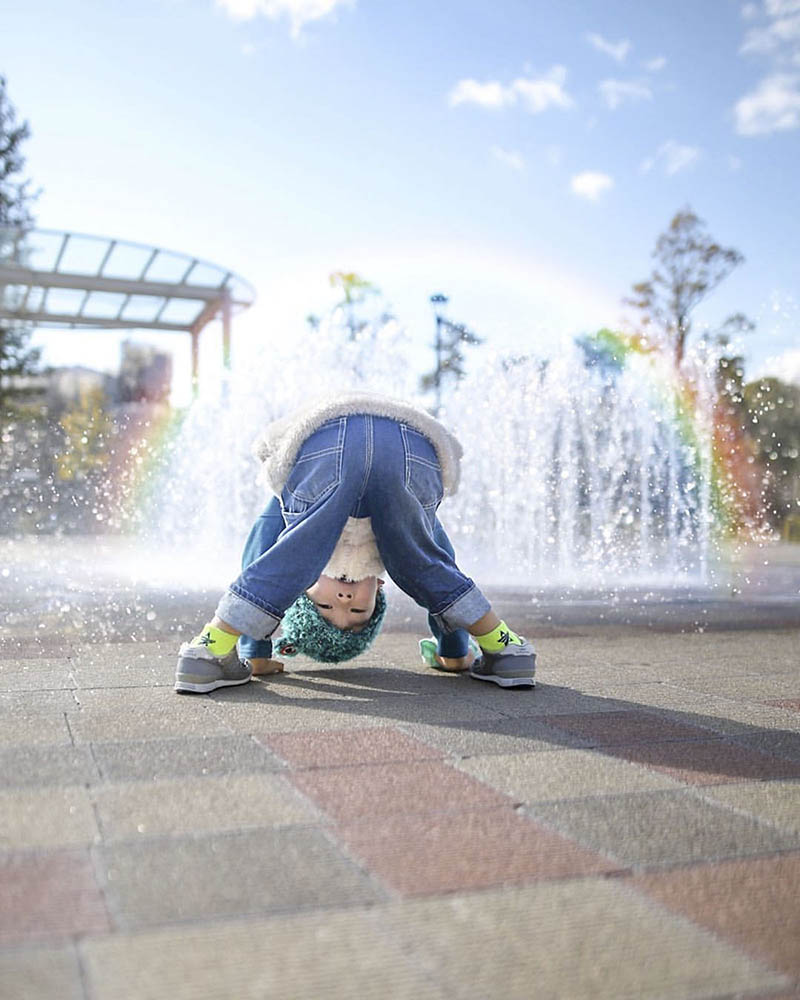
[438,301]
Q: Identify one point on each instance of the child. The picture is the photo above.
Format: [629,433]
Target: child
[359,478]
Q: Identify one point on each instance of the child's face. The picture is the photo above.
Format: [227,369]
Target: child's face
[344,604]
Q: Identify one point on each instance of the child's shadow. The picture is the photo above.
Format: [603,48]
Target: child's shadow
[714,747]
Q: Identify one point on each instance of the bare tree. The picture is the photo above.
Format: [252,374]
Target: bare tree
[689,266]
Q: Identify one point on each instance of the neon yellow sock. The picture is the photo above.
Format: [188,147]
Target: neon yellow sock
[497,640]
[215,640]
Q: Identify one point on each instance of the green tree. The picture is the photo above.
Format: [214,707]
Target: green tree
[690,264]
[17,358]
[773,424]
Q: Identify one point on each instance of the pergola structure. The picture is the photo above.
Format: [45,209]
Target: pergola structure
[56,279]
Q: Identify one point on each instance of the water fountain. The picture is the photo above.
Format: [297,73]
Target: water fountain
[577,472]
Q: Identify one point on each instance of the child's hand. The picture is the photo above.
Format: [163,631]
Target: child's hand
[262,666]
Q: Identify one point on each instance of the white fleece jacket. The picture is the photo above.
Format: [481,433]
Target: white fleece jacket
[356,555]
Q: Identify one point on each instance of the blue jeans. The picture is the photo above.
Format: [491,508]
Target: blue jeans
[355,466]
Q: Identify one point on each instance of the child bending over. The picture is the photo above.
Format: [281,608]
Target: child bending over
[357,481]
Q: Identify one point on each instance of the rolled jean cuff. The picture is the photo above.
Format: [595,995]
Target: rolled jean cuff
[255,649]
[464,611]
[245,617]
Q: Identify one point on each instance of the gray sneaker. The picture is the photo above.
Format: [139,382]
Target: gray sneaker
[200,672]
[514,667]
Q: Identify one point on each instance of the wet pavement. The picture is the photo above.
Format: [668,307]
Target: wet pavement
[631,828]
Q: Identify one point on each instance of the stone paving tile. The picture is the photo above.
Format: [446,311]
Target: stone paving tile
[707,763]
[777,802]
[359,680]
[792,703]
[544,700]
[523,735]
[755,904]
[32,676]
[22,728]
[757,686]
[191,756]
[582,939]
[346,793]
[605,728]
[335,955]
[37,704]
[342,747]
[49,895]
[422,854]
[40,974]
[134,671]
[562,774]
[720,715]
[46,817]
[778,742]
[253,712]
[230,802]
[654,828]
[205,877]
[133,713]
[32,766]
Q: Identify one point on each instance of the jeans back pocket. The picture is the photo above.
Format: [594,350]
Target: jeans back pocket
[423,472]
[317,468]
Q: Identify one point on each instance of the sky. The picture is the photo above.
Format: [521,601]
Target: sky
[519,156]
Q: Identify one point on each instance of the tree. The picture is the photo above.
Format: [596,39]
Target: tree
[17,359]
[689,266]
[773,424]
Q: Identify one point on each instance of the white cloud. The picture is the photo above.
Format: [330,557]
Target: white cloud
[508,157]
[545,92]
[617,50]
[536,94]
[774,106]
[591,184]
[616,92]
[655,65]
[298,12]
[673,157]
[485,95]
[774,37]
[750,11]
[785,366]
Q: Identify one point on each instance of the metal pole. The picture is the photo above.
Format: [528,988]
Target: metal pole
[226,332]
[195,362]
[438,380]
[226,347]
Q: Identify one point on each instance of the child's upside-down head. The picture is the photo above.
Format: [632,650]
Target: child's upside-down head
[333,620]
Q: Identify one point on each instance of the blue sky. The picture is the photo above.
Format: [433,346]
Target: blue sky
[520,156]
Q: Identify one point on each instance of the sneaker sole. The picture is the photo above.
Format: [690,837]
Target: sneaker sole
[189,687]
[505,682]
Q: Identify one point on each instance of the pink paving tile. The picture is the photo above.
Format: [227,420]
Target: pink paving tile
[337,747]
[755,904]
[626,727]
[711,763]
[423,786]
[48,895]
[434,853]
[792,703]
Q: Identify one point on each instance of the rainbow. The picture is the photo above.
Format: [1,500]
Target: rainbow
[705,424]
[139,460]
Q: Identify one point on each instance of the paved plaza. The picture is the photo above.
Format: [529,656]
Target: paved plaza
[630,829]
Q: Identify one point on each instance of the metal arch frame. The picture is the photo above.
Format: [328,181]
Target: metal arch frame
[230,294]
